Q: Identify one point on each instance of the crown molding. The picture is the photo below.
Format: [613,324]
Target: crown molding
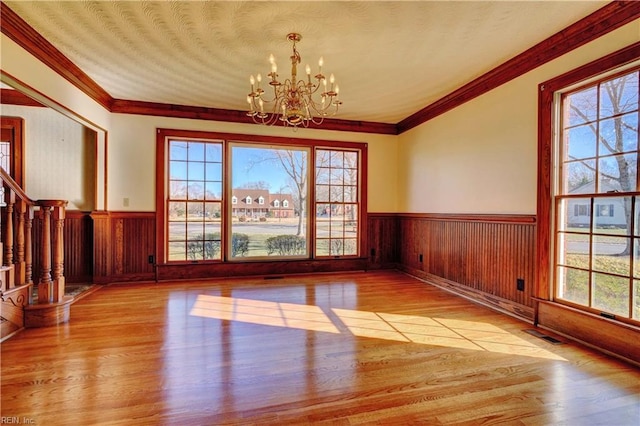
[234,116]
[14,27]
[597,24]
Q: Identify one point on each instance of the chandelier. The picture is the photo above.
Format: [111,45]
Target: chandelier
[293,100]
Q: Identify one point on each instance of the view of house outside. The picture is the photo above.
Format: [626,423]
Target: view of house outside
[598,210]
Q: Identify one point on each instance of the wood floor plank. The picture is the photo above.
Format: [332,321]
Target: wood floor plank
[340,349]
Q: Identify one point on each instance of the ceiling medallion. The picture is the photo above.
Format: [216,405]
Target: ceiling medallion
[293,100]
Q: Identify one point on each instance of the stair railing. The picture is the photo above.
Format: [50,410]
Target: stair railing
[18,242]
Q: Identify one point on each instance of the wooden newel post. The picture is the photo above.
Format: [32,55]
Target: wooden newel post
[28,245]
[44,285]
[19,257]
[10,200]
[52,283]
[58,253]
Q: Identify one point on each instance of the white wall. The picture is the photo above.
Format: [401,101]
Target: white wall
[59,160]
[131,166]
[482,156]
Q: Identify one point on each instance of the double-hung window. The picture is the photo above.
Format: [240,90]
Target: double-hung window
[597,196]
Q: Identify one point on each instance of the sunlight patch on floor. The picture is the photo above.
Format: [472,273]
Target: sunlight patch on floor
[263,312]
[446,332]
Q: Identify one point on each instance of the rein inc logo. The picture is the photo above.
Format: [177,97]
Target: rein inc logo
[17,420]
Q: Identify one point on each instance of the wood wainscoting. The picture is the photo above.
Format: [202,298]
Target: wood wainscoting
[481,257]
[78,255]
[123,244]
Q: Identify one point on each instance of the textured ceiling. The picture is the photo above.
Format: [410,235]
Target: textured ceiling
[390,58]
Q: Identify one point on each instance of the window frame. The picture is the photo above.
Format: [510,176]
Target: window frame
[163,135]
[601,69]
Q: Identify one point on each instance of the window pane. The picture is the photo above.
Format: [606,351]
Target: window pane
[213,190]
[195,250]
[177,231]
[177,210]
[195,191]
[336,194]
[619,95]
[573,285]
[636,259]
[178,150]
[213,171]
[574,215]
[619,134]
[581,107]
[178,170]
[195,171]
[611,215]
[573,250]
[213,153]
[581,142]
[579,177]
[178,189]
[611,294]
[177,251]
[610,254]
[196,151]
[195,231]
[212,212]
[617,173]
[260,177]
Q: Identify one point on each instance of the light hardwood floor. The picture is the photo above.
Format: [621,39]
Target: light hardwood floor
[340,349]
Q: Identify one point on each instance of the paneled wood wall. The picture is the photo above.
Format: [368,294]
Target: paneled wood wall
[477,256]
[382,240]
[123,243]
[78,252]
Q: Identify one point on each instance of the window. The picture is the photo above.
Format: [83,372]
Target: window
[336,202]
[229,198]
[255,169]
[597,264]
[194,200]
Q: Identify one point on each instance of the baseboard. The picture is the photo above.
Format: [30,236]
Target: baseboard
[496,303]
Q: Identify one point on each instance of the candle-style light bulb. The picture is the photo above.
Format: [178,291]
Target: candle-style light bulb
[337,90]
[332,79]
[320,62]
[272,60]
[308,69]
[252,80]
[261,105]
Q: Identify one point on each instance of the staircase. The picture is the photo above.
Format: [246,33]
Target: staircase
[19,246]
